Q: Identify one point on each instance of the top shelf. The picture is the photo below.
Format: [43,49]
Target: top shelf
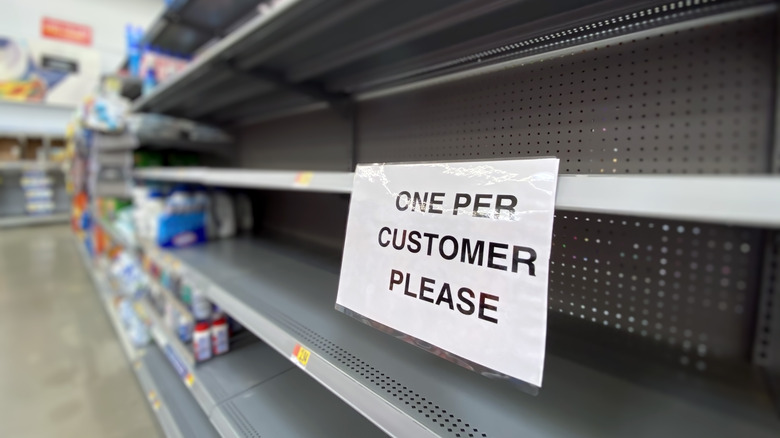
[303,53]
[186,25]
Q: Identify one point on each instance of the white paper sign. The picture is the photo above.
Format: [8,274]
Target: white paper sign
[456,255]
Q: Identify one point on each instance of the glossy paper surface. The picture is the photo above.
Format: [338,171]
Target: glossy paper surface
[455,255]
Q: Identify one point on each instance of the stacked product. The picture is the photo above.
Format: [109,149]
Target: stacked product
[136,327]
[38,192]
[132,280]
[131,283]
[184,215]
[119,213]
[202,324]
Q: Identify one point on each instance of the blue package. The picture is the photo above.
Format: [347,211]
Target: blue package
[181,229]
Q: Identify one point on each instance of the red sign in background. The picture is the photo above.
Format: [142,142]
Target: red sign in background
[66,31]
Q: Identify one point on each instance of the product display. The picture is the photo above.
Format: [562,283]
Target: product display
[38,193]
[439,219]
[136,327]
[219,336]
[201,341]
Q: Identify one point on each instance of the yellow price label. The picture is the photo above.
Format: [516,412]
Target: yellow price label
[304,178]
[189,380]
[301,354]
[154,400]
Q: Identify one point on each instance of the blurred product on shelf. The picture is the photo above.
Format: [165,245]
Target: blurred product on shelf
[220,336]
[182,215]
[164,64]
[170,219]
[131,278]
[154,64]
[201,341]
[136,327]
[38,193]
[222,217]
[105,110]
[133,36]
[80,212]
[201,307]
[150,81]
[184,328]
[10,149]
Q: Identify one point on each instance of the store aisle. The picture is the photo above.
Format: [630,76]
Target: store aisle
[62,370]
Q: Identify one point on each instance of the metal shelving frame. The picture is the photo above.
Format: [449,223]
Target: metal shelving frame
[174,407]
[287,300]
[237,390]
[662,300]
[12,197]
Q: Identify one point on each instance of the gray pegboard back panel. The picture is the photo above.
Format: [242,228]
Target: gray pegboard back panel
[767,342]
[695,100]
[318,140]
[680,294]
[290,215]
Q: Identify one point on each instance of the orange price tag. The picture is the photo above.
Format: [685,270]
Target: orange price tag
[154,400]
[303,178]
[189,379]
[301,354]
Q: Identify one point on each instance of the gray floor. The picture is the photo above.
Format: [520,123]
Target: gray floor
[62,370]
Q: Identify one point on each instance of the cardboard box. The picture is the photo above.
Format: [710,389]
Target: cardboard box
[10,149]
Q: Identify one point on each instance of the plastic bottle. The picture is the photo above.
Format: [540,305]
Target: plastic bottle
[185,328]
[185,294]
[224,213]
[171,316]
[220,338]
[150,81]
[201,341]
[201,306]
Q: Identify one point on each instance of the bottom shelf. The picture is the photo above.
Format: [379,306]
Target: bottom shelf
[248,392]
[286,295]
[176,409]
[24,221]
[254,391]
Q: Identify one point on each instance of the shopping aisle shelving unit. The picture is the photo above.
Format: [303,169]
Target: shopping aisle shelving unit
[178,413]
[13,197]
[176,410]
[287,301]
[663,288]
[107,296]
[239,391]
